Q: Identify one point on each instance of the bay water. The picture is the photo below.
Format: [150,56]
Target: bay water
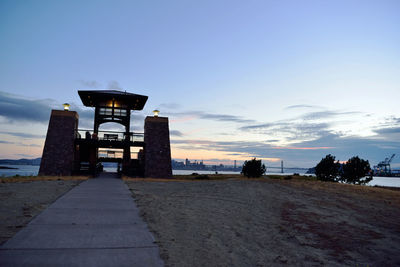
[30,170]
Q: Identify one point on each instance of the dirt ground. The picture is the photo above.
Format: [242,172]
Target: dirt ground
[271,222]
[22,201]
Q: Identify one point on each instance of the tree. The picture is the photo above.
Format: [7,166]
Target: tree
[327,169]
[354,170]
[253,168]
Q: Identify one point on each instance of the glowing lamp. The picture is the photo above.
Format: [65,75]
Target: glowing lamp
[66,106]
[156,112]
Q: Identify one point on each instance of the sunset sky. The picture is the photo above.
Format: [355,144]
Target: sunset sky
[276,80]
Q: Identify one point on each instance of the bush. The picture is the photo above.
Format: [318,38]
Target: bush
[202,177]
[327,169]
[253,168]
[354,170]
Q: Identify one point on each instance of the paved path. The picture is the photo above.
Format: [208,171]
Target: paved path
[95,224]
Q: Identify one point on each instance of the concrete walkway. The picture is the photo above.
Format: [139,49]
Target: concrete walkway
[95,224]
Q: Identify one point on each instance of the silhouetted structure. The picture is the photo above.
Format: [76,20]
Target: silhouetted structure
[70,150]
[383,167]
[59,149]
[157,153]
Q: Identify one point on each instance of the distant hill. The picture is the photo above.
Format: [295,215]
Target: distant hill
[311,171]
[35,162]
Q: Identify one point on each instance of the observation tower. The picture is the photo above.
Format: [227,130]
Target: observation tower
[69,150]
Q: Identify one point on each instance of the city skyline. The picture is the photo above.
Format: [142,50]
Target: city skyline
[291,81]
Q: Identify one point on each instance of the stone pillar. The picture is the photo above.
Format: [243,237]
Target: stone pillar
[157,151]
[59,148]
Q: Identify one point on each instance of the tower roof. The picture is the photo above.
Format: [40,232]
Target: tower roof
[94,98]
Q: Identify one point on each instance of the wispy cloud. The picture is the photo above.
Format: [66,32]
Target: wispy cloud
[92,84]
[209,116]
[261,126]
[303,107]
[289,131]
[114,85]
[6,142]
[170,105]
[326,114]
[302,148]
[175,133]
[24,155]
[19,144]
[87,84]
[24,135]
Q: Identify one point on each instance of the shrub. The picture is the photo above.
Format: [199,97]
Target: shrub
[327,169]
[355,169]
[253,168]
[202,177]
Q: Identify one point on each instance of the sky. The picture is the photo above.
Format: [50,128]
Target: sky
[286,81]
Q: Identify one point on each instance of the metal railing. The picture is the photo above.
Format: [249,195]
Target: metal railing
[115,154]
[109,135]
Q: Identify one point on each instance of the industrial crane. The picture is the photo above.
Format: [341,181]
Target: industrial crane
[383,167]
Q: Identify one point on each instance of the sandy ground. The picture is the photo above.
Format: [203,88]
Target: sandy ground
[271,222]
[21,201]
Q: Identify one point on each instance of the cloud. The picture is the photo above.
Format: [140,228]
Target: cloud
[90,84]
[170,105]
[239,147]
[30,145]
[224,117]
[24,155]
[374,149]
[175,133]
[15,108]
[302,106]
[114,85]
[19,144]
[326,114]
[260,126]
[305,127]
[210,116]
[6,142]
[302,153]
[289,131]
[394,130]
[24,135]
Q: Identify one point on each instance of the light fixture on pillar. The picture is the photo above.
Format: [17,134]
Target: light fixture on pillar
[156,112]
[66,106]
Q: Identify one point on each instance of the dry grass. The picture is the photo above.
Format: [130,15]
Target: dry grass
[190,177]
[197,177]
[385,194]
[18,179]
[270,220]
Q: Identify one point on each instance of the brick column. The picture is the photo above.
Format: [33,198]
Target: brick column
[157,151]
[59,148]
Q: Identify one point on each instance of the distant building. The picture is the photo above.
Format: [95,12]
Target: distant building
[196,165]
